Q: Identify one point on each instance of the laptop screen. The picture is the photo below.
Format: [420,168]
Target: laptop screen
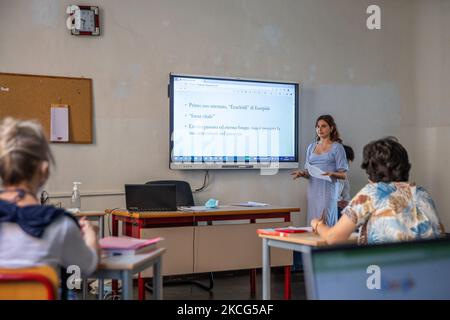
[412,270]
[148,197]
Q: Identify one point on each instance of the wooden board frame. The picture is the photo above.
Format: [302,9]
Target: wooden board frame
[26,96]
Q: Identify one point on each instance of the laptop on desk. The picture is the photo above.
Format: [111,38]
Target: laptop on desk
[148,197]
[404,271]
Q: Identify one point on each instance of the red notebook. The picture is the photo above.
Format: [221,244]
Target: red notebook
[271,232]
[292,230]
[282,232]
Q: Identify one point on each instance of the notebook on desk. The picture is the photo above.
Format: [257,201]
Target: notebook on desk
[148,197]
[114,246]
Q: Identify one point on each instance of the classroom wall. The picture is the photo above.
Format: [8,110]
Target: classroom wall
[432,98]
[367,79]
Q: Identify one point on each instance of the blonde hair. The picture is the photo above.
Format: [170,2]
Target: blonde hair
[23,146]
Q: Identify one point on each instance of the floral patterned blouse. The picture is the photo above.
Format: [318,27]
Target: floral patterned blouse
[391,212]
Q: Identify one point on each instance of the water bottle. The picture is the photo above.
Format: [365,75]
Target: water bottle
[75,202]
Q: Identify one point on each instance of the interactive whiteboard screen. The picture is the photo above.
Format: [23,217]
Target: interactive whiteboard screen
[223,123]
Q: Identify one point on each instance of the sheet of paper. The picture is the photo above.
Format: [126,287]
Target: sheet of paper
[59,126]
[194,208]
[316,172]
[251,204]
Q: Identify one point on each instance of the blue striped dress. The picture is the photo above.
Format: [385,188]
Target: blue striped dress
[324,195]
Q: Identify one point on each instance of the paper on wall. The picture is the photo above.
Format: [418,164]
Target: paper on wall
[59,126]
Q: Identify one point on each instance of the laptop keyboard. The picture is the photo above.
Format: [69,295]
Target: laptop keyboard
[151,210]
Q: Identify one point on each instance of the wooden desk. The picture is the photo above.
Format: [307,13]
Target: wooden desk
[125,266]
[296,242]
[197,245]
[191,217]
[196,248]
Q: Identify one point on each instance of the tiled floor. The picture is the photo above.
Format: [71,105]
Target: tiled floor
[233,285]
[236,286]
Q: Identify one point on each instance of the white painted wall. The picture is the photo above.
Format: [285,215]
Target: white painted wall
[432,98]
[368,80]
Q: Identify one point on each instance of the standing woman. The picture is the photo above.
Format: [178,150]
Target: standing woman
[327,154]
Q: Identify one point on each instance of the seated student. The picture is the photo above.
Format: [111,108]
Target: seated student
[388,208]
[32,234]
[344,185]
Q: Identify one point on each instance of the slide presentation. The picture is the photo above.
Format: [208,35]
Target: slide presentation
[233,120]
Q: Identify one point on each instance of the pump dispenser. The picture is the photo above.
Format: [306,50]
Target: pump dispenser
[75,202]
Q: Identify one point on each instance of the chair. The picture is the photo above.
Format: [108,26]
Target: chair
[184,198]
[36,283]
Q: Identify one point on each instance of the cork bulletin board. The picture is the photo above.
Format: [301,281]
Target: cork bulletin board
[31,96]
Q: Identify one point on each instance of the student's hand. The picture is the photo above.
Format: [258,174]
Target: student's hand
[342,204]
[87,226]
[315,223]
[299,173]
[89,232]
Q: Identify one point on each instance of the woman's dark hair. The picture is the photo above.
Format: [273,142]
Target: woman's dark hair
[334,134]
[349,153]
[386,160]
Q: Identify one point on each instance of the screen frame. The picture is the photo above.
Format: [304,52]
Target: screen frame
[309,252]
[293,164]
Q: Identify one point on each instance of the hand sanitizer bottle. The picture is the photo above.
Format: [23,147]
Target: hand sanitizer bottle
[75,202]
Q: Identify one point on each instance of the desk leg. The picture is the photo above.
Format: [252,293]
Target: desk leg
[127,285]
[115,226]
[265,270]
[115,233]
[85,288]
[287,283]
[134,230]
[141,287]
[157,279]
[252,282]
[101,222]
[101,289]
